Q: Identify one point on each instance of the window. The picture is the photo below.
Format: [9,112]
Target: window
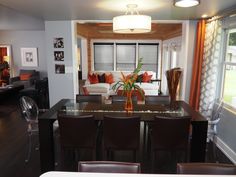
[149,53]
[123,56]
[103,56]
[229,80]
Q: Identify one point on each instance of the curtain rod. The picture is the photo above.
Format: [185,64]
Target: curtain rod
[225,13]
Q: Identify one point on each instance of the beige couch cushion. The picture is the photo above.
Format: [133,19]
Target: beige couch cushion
[98,88]
[148,86]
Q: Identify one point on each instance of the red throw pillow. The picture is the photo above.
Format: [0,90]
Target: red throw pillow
[109,78]
[93,78]
[146,77]
[5,73]
[25,76]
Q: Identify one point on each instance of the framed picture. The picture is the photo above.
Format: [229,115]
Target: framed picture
[58,42]
[59,55]
[59,69]
[29,57]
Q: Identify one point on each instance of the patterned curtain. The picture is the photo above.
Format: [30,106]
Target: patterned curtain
[211,60]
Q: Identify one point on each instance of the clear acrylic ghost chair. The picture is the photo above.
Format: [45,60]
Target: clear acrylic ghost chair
[30,112]
[213,119]
[213,114]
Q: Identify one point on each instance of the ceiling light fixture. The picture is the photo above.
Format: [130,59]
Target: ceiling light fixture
[132,22]
[186,3]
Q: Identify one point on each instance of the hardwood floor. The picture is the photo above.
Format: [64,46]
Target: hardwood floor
[14,147]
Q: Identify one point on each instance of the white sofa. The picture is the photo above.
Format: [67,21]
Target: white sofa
[106,89]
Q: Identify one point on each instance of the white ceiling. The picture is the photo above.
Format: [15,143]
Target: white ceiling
[107,9]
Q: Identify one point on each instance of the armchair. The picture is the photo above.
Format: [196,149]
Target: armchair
[26,78]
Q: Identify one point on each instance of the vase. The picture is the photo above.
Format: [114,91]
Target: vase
[128,102]
[173,79]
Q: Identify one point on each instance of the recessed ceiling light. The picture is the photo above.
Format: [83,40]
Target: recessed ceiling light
[186,3]
[204,16]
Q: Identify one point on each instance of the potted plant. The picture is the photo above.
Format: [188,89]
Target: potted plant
[128,84]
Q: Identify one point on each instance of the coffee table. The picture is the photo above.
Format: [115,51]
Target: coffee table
[10,90]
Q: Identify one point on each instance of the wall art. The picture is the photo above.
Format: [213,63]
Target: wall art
[59,69]
[58,42]
[59,55]
[29,57]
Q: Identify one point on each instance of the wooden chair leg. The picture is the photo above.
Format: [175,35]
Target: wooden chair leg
[153,154]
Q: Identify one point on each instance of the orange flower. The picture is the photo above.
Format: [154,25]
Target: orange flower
[127,83]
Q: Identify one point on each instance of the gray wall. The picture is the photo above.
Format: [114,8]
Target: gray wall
[25,39]
[22,31]
[12,20]
[61,85]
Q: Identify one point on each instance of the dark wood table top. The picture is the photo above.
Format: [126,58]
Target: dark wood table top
[146,112]
[10,88]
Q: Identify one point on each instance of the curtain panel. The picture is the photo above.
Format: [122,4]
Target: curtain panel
[211,60]
[195,89]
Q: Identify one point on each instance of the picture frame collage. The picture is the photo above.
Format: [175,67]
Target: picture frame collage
[58,44]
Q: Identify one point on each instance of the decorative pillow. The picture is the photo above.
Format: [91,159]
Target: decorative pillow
[109,78]
[101,78]
[25,76]
[93,78]
[146,77]
[139,78]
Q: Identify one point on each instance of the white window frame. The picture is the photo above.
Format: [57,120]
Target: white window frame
[222,66]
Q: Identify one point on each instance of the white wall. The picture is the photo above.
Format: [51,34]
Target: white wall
[84,58]
[187,52]
[61,85]
[167,46]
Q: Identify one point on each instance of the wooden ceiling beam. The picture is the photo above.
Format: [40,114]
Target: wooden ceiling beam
[104,31]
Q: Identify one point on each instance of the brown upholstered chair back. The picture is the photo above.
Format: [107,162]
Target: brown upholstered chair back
[109,167]
[89,98]
[206,168]
[170,133]
[121,132]
[77,131]
[162,99]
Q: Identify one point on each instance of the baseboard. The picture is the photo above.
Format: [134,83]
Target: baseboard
[226,149]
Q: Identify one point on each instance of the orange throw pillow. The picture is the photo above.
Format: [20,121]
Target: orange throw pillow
[25,76]
[93,78]
[109,78]
[146,77]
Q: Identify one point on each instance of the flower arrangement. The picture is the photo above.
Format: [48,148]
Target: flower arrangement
[128,85]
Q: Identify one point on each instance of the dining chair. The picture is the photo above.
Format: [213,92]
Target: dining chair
[136,95]
[169,134]
[153,100]
[121,99]
[206,168]
[88,98]
[157,99]
[121,133]
[77,133]
[109,167]
[30,112]
[213,113]
[213,119]
[91,99]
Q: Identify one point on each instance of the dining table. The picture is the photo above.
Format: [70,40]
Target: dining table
[146,112]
